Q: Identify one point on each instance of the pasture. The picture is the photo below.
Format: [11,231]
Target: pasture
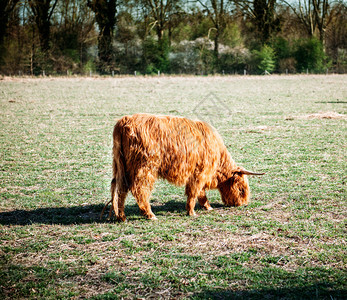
[56,145]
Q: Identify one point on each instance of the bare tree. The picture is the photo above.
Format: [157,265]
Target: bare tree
[216,10]
[321,13]
[336,35]
[263,14]
[6,8]
[42,11]
[161,11]
[313,15]
[74,24]
[105,16]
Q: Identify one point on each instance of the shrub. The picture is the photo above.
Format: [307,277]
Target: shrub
[341,62]
[264,60]
[156,55]
[232,35]
[309,54]
[287,64]
[89,67]
[185,58]
[193,57]
[281,47]
[283,52]
[235,60]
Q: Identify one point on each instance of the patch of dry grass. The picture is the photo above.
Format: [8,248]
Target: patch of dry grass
[320,115]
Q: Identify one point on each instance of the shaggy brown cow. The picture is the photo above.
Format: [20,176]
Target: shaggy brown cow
[180,150]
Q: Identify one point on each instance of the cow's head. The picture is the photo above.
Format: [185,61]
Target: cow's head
[235,190]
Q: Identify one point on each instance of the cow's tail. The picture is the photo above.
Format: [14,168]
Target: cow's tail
[117,183]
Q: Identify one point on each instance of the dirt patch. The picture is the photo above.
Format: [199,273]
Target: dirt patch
[326,115]
[320,115]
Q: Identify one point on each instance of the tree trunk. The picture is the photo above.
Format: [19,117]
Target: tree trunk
[6,8]
[43,11]
[105,14]
[320,12]
[264,14]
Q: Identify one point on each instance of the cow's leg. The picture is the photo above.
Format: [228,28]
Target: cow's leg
[118,196]
[141,190]
[121,203]
[114,200]
[193,190]
[203,201]
[190,206]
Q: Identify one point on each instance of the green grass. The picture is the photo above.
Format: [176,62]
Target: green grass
[55,172]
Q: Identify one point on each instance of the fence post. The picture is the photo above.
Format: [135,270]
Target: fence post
[158,73]
[244,72]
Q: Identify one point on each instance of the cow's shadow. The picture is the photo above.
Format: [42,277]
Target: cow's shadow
[84,214]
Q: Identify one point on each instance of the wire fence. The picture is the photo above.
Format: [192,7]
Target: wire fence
[117,73]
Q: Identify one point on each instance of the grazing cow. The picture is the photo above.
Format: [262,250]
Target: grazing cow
[182,151]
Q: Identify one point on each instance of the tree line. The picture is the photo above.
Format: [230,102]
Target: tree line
[172,36]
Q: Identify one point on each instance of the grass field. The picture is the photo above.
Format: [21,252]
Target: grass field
[289,243]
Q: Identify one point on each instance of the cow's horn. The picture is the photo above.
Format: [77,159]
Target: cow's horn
[250,173]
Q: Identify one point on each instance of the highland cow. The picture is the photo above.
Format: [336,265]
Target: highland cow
[182,151]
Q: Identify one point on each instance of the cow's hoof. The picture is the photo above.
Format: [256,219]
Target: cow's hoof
[121,218]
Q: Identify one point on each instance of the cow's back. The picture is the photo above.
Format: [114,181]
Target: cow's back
[173,148]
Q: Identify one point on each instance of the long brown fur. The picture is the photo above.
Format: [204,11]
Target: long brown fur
[180,150]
